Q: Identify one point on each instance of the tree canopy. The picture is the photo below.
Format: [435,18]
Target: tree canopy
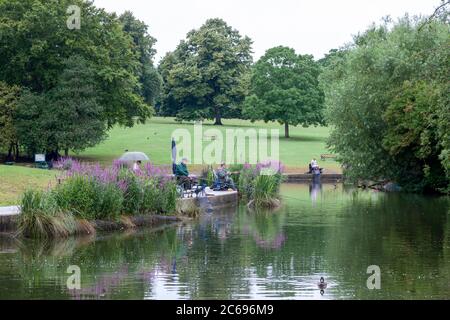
[285,88]
[9,99]
[66,117]
[203,77]
[149,78]
[35,41]
[387,101]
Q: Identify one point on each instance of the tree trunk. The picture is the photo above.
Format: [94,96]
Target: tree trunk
[66,152]
[10,150]
[218,117]
[17,151]
[286,130]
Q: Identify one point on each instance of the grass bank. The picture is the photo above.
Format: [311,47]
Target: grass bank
[153,138]
[14,180]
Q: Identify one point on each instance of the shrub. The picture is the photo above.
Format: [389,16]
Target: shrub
[246,182]
[266,190]
[79,195]
[151,202]
[111,202]
[41,218]
[133,192]
[260,185]
[169,191]
[159,197]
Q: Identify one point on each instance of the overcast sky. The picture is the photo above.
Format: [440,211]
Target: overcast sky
[308,26]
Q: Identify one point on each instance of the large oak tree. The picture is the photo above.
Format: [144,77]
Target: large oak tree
[203,77]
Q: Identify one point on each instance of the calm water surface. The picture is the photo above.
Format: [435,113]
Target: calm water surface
[321,230]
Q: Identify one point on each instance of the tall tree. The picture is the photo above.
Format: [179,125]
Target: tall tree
[66,117]
[35,41]
[387,101]
[285,88]
[149,78]
[9,98]
[202,77]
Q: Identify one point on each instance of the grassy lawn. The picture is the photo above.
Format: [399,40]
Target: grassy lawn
[154,138]
[16,179]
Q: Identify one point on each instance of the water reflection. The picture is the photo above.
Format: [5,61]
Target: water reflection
[315,189]
[237,254]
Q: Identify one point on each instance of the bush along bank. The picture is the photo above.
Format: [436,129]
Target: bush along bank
[89,197]
[259,185]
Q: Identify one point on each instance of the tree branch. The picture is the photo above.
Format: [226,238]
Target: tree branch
[434,14]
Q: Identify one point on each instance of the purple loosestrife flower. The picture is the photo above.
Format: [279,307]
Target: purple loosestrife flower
[122,185]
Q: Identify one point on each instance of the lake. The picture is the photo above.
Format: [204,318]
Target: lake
[321,231]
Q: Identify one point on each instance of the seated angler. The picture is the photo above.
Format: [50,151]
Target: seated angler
[224,177]
[183,176]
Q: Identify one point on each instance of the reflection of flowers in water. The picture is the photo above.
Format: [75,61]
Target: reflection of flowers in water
[265,227]
[103,286]
[273,243]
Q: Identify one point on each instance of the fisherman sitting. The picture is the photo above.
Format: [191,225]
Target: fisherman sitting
[224,179]
[183,176]
[314,167]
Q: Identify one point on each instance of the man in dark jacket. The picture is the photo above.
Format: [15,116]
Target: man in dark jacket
[182,170]
[182,174]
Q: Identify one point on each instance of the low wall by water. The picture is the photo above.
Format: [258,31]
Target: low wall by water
[212,201]
[186,207]
[306,177]
[8,223]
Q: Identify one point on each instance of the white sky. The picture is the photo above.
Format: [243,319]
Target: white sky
[310,27]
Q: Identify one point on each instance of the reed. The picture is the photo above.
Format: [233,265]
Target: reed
[41,217]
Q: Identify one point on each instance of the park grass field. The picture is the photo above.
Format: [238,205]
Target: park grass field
[154,138]
[14,180]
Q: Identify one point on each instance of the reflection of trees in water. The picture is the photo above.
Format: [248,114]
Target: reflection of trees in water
[222,254]
[406,235]
[107,265]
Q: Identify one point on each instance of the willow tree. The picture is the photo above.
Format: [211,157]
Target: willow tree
[387,101]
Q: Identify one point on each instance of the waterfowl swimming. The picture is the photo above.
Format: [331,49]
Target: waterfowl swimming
[322,284]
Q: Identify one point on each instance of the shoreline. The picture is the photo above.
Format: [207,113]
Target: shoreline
[187,209]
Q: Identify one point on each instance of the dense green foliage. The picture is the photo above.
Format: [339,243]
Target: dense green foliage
[149,77]
[35,45]
[285,88]
[259,186]
[88,192]
[204,77]
[388,103]
[87,198]
[66,117]
[42,218]
[9,98]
